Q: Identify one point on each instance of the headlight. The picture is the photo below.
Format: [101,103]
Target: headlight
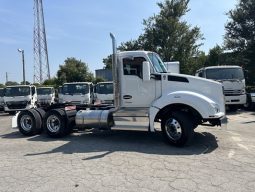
[216,107]
[243,91]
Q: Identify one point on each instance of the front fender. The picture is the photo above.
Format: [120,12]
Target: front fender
[204,105]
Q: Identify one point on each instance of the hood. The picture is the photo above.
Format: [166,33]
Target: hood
[76,98]
[233,84]
[104,96]
[44,97]
[209,88]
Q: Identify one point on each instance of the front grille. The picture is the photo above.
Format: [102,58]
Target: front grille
[232,92]
[17,105]
[75,102]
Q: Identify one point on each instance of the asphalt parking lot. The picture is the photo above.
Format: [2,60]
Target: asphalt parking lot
[219,159]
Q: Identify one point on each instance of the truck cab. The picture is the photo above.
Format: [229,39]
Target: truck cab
[19,97]
[1,99]
[103,93]
[45,96]
[232,79]
[77,93]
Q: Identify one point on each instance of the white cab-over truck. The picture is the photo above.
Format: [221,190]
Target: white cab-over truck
[103,93]
[77,93]
[19,97]
[45,96]
[232,79]
[145,95]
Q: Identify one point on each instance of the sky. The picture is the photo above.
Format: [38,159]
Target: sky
[80,29]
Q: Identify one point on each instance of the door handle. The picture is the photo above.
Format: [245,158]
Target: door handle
[127,96]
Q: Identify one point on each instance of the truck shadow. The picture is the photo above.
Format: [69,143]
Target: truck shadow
[107,142]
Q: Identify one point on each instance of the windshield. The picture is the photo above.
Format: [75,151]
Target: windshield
[1,92]
[157,63]
[225,73]
[44,91]
[75,89]
[17,91]
[106,88]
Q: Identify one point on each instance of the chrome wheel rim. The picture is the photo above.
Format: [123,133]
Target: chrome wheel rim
[173,129]
[26,122]
[53,123]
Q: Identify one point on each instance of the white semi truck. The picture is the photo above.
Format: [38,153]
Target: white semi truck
[77,93]
[144,94]
[19,97]
[232,79]
[103,93]
[45,96]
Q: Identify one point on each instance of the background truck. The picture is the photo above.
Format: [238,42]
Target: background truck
[77,93]
[1,99]
[45,96]
[103,93]
[145,95]
[232,79]
[19,97]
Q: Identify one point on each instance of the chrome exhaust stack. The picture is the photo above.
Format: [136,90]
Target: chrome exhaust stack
[115,74]
[103,119]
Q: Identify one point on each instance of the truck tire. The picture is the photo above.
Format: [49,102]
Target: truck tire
[55,123]
[29,122]
[178,128]
[42,113]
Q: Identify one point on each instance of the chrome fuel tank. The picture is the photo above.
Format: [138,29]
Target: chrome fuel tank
[94,119]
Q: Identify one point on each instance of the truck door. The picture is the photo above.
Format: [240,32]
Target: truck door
[134,91]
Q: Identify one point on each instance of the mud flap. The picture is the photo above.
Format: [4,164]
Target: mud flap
[15,121]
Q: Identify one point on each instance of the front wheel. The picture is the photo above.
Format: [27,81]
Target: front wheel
[178,128]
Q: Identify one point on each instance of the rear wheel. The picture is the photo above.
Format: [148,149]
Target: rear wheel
[178,128]
[29,122]
[55,123]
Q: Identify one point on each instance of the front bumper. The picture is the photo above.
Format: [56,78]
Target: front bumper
[235,100]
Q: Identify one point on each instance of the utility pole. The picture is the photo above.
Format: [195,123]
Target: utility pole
[6,77]
[23,64]
[41,60]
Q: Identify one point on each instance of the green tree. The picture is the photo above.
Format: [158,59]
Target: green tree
[169,35]
[214,56]
[74,70]
[107,62]
[51,82]
[10,83]
[240,36]
[98,79]
[2,85]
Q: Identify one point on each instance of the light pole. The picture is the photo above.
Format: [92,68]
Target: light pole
[23,63]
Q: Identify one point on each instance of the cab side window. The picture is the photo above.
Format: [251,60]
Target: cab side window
[133,66]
